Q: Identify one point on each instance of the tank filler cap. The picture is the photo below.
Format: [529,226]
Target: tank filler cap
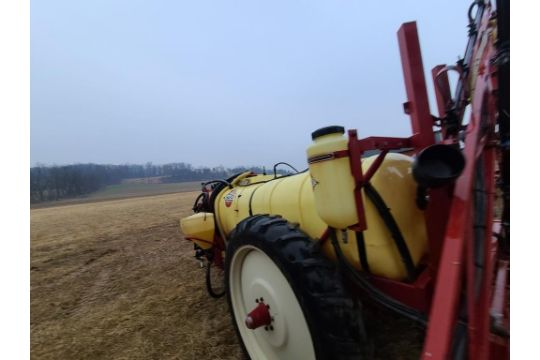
[334,129]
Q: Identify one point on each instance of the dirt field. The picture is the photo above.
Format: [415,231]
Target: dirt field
[116,280]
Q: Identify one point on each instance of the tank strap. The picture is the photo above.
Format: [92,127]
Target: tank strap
[251,199]
[393,227]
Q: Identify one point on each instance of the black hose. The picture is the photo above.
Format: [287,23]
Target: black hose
[374,293]
[216,190]
[460,100]
[362,254]
[225,182]
[284,163]
[204,203]
[393,227]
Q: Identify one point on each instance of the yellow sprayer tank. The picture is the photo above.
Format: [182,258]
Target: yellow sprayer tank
[293,198]
[323,197]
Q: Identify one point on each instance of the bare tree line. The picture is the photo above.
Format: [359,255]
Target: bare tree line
[59,182]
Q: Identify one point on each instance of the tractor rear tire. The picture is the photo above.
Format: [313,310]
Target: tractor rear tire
[271,260]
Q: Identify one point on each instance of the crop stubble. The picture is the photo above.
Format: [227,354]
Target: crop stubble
[116,280]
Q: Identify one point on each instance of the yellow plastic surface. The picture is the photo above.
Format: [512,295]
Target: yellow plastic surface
[293,198]
[333,184]
[199,228]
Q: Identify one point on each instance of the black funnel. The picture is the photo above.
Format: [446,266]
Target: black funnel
[438,165]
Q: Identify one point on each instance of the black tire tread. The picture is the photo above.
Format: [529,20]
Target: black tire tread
[334,319]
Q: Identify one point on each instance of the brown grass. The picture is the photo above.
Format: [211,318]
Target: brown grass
[116,280]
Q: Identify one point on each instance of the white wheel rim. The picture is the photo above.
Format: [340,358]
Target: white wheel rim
[253,275]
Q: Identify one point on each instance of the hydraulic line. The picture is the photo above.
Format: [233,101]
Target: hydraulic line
[393,227]
[283,163]
[362,254]
[377,295]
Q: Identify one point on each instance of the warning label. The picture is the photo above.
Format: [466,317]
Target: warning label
[230,197]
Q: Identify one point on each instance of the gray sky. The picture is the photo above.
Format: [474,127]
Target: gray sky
[222,82]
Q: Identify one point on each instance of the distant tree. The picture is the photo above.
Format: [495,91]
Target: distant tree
[38,183]
[57,182]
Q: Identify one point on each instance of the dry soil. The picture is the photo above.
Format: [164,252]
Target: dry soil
[116,280]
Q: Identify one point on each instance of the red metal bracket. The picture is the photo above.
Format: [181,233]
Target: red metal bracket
[415,86]
[458,252]
[383,143]
[355,159]
[356,149]
[416,294]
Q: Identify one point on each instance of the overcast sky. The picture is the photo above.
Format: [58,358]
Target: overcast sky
[222,82]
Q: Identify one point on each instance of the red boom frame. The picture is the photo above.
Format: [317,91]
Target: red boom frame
[450,270]
[449,279]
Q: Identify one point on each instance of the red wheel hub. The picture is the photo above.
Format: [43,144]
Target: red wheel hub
[260,316]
